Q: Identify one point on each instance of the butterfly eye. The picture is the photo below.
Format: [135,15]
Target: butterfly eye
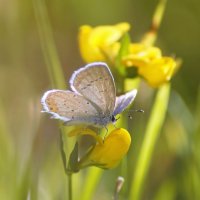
[113,118]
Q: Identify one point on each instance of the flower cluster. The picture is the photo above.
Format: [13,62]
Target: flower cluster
[102,43]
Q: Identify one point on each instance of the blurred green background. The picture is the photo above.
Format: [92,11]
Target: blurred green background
[29,141]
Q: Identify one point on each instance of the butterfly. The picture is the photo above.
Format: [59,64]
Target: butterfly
[92,99]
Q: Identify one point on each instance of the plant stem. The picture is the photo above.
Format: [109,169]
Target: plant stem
[151,36]
[69,186]
[92,179]
[151,135]
[48,45]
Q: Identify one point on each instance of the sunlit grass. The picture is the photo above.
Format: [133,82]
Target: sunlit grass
[31,165]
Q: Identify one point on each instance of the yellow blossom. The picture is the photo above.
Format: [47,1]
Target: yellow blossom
[85,131]
[102,43]
[96,42]
[112,150]
[107,152]
[140,55]
[150,64]
[158,71]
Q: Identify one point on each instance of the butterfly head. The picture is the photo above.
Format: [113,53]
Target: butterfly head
[114,119]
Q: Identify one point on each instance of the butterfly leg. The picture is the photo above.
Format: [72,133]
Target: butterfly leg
[106,129]
[105,133]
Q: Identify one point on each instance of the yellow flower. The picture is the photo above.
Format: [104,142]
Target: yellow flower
[109,153]
[96,42]
[150,63]
[158,71]
[85,131]
[140,54]
[102,43]
[106,153]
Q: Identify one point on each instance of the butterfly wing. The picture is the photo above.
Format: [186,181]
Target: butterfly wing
[95,82]
[123,101]
[69,107]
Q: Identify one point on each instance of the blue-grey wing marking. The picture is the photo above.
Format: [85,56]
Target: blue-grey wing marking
[123,101]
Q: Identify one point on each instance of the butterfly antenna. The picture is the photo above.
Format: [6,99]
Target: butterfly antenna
[138,110]
[118,118]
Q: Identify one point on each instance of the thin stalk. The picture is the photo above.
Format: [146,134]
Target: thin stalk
[151,36]
[48,45]
[70,186]
[90,183]
[151,135]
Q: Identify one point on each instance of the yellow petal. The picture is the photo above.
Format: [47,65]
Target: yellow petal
[85,131]
[93,42]
[113,149]
[158,71]
[140,54]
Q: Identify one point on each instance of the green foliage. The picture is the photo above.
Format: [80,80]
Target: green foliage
[33,34]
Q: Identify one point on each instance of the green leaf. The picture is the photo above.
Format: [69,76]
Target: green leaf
[73,160]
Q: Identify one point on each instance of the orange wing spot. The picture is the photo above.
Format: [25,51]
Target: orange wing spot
[51,104]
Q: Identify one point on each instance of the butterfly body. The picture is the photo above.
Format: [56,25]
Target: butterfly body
[92,99]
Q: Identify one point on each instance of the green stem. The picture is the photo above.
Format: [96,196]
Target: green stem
[69,186]
[92,179]
[48,45]
[151,36]
[152,132]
